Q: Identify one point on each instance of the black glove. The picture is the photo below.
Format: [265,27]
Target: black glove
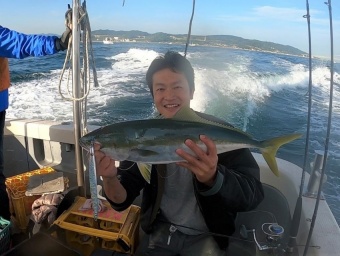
[61,43]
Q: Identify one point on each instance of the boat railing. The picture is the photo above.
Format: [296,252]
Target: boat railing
[315,176]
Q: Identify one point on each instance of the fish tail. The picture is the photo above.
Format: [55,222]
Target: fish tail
[270,147]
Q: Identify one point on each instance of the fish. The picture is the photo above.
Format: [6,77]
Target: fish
[155,140]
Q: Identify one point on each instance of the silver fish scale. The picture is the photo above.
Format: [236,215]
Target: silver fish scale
[93,183]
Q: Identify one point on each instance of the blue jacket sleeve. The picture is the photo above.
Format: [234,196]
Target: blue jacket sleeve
[17,45]
[3,100]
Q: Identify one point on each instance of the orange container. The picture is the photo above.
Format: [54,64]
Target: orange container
[21,205]
[115,231]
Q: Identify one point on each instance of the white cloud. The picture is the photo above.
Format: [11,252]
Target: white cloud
[275,13]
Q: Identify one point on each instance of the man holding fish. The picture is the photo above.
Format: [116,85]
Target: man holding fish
[190,201]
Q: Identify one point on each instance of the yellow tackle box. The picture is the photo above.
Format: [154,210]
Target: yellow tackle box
[116,231]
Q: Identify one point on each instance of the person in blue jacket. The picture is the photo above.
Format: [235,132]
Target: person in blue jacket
[18,45]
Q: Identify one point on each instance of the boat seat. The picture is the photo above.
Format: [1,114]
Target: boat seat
[273,209]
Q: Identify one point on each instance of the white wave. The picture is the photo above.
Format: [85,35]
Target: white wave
[232,79]
[39,98]
[134,61]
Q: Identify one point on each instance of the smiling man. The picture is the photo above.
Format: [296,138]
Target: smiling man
[171,84]
[185,202]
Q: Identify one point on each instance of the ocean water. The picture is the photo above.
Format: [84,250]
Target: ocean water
[261,93]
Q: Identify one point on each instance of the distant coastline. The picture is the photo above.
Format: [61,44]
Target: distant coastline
[226,41]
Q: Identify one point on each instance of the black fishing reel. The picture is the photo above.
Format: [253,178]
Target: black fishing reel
[273,232]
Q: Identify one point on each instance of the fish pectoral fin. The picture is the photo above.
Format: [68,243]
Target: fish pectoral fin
[145,170]
[143,152]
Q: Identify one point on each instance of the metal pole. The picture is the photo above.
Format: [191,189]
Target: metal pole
[310,233]
[76,93]
[295,224]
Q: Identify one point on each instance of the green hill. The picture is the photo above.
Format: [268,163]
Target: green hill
[210,40]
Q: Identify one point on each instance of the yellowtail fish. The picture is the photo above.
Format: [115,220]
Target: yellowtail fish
[154,141]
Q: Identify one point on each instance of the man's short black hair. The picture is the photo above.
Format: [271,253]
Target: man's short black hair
[174,61]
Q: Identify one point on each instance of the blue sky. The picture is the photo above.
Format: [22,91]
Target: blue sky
[268,20]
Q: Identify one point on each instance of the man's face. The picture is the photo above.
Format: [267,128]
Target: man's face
[171,91]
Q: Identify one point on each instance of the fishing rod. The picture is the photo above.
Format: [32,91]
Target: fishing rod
[189,32]
[298,206]
[329,4]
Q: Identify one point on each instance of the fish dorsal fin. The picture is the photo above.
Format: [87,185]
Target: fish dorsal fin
[187,114]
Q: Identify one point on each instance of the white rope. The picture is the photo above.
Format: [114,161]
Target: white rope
[88,62]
